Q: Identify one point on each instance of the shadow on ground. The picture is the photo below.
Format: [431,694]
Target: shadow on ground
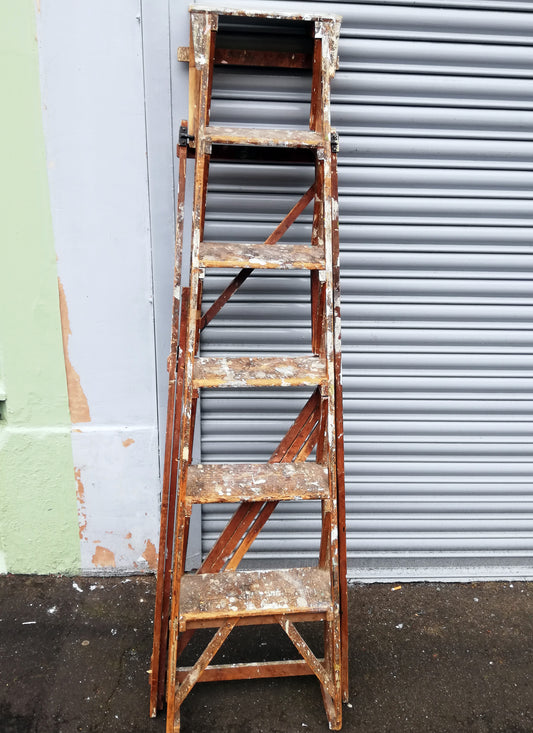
[424,658]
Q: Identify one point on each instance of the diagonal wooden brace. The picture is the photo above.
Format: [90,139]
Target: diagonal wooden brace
[226,294]
[302,426]
[291,217]
[290,629]
[235,530]
[251,534]
[207,655]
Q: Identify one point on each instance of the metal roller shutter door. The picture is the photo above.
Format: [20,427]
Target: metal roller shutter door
[435,112]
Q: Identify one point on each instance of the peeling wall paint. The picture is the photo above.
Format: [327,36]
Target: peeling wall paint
[78,405]
[80,496]
[103,557]
[150,554]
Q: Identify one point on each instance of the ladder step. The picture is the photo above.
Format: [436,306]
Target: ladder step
[266,371]
[269,137]
[234,482]
[254,593]
[262,256]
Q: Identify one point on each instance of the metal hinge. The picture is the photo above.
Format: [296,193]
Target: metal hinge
[184,138]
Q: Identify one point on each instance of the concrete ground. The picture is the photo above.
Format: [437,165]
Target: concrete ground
[425,657]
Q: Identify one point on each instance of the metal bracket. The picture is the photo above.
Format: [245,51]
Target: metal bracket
[334,141]
[184,138]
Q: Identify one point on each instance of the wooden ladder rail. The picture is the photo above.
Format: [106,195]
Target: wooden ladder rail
[202,62]
[168,493]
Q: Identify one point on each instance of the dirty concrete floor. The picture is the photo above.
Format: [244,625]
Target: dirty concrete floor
[425,657]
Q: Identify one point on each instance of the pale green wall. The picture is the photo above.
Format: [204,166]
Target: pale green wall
[38,514]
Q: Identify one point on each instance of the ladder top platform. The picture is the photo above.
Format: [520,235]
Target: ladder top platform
[267,14]
[254,593]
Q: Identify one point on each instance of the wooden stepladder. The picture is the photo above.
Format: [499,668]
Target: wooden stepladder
[308,462]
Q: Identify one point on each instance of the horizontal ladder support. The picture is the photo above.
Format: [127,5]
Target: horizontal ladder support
[252,57]
[213,623]
[251,670]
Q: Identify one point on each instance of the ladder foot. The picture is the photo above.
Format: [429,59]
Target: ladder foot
[333,711]
[173,722]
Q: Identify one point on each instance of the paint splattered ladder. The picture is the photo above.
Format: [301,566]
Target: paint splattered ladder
[308,463]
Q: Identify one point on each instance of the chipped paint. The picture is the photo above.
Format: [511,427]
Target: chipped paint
[257,13]
[103,557]
[82,511]
[258,371]
[77,400]
[150,554]
[200,26]
[128,442]
[256,482]
[259,592]
[334,208]
[271,137]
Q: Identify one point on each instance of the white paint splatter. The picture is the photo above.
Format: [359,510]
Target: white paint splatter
[77,587]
